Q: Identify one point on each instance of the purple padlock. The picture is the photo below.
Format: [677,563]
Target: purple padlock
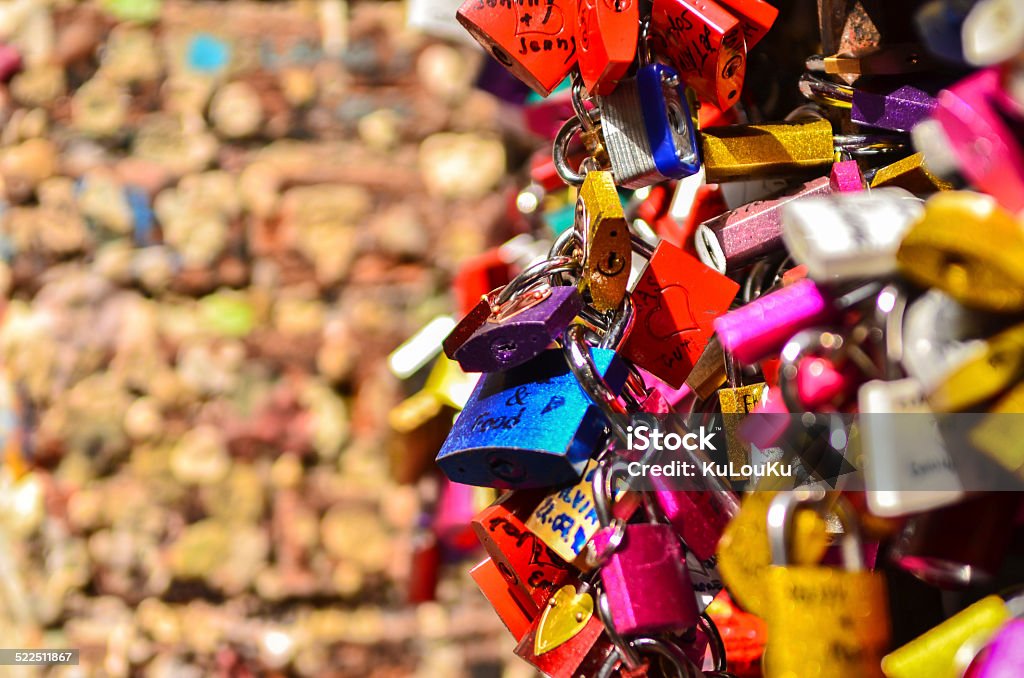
[1003,657]
[763,326]
[646,580]
[519,330]
[728,242]
[896,109]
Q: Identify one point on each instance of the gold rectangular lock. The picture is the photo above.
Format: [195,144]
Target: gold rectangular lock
[755,151]
[911,174]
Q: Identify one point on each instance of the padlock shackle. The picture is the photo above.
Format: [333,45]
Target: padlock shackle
[534,275]
[676,658]
[825,92]
[781,525]
[577,354]
[560,152]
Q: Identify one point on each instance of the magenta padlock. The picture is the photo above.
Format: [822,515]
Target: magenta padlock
[646,580]
[985,145]
[698,517]
[1003,656]
[519,330]
[763,326]
[732,240]
[846,177]
[767,422]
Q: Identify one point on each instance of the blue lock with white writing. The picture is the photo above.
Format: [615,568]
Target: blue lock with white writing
[532,426]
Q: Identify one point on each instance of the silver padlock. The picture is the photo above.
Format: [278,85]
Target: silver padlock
[848,236]
[907,467]
[648,130]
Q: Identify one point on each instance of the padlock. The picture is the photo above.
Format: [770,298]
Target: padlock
[608,32]
[998,434]
[537,42]
[911,174]
[933,653]
[763,326]
[744,552]
[499,594]
[822,621]
[907,467]
[705,44]
[845,177]
[582,654]
[990,156]
[756,18]
[736,403]
[984,376]
[643,570]
[646,581]
[993,32]
[1001,656]
[531,569]
[532,426]
[606,241]
[436,18]
[981,272]
[709,372]
[849,236]
[566,519]
[894,108]
[478,275]
[675,302]
[734,239]
[519,329]
[758,151]
[648,129]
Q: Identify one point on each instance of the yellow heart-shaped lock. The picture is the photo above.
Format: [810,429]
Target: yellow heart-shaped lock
[565,615]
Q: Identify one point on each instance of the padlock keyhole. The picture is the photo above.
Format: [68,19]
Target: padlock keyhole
[505,350]
[507,470]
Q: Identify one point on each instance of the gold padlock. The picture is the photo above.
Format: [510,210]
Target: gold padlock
[754,151]
[969,247]
[606,242]
[822,621]
[737,402]
[985,376]
[911,174]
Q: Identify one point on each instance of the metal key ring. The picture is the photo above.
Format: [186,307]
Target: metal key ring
[825,92]
[577,354]
[684,668]
[857,145]
[585,115]
[543,269]
[718,654]
[560,152]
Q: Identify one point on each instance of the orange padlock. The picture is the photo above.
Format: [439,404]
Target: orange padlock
[535,40]
[608,32]
[500,595]
[705,44]
[756,17]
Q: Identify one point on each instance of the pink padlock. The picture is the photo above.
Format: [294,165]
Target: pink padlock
[819,382]
[1003,656]
[986,148]
[764,325]
[846,177]
[646,580]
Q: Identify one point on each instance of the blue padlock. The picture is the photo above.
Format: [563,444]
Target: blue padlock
[648,129]
[532,426]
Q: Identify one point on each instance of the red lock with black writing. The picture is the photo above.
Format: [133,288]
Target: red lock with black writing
[535,39]
[705,43]
[675,301]
[607,32]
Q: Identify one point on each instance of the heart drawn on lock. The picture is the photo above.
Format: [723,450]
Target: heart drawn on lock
[546,20]
[672,317]
[565,615]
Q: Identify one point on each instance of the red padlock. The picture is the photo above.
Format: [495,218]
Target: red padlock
[675,301]
[501,597]
[581,655]
[705,44]
[608,32]
[756,17]
[532,570]
[534,40]
[478,276]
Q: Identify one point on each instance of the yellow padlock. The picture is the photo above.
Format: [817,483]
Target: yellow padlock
[969,247]
[910,174]
[822,621]
[985,376]
[932,654]
[741,152]
[744,554]
[606,242]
